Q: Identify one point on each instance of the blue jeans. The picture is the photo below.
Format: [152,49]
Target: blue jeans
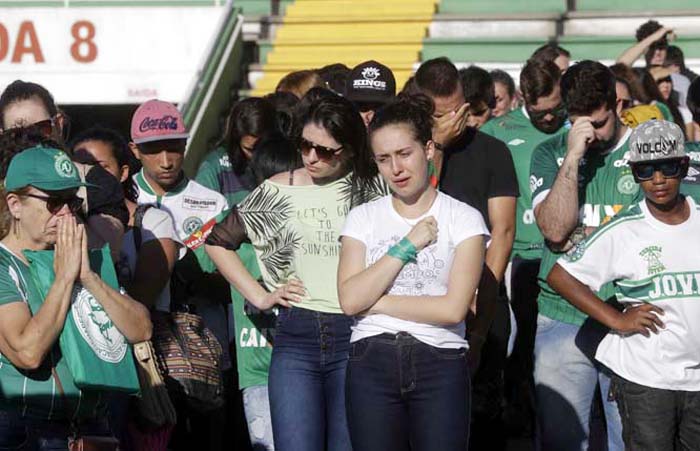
[307,381]
[23,434]
[565,383]
[657,420]
[256,404]
[403,394]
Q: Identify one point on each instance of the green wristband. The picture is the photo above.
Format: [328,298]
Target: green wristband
[404,250]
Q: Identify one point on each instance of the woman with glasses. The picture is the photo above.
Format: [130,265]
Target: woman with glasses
[29,108]
[293,221]
[409,267]
[40,405]
[29,117]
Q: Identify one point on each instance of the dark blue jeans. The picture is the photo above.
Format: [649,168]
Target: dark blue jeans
[307,381]
[403,394]
[655,419]
[23,434]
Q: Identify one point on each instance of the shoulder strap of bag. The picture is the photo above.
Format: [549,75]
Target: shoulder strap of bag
[64,401]
[138,223]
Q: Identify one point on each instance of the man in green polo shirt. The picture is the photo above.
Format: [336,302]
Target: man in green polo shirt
[523,129]
[579,179]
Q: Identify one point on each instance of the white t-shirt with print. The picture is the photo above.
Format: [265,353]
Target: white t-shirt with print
[378,226]
[156,225]
[654,262]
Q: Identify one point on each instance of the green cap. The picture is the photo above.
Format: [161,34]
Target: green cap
[42,167]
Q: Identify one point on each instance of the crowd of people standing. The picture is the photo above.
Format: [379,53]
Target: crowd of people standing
[447,266]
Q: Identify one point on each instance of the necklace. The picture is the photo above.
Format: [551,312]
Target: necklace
[412,222]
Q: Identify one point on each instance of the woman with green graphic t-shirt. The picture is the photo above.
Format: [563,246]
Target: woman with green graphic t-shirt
[38,397]
[293,221]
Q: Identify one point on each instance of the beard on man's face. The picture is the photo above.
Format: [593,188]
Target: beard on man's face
[603,146]
[548,127]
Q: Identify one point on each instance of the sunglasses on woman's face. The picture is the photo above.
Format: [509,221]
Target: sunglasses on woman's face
[43,129]
[323,152]
[54,204]
[668,168]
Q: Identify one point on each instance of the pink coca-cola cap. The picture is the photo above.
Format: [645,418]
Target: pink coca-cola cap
[156,120]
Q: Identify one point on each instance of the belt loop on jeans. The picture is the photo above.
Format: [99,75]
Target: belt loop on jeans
[403,336]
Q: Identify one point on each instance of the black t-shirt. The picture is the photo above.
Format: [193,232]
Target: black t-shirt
[476,168]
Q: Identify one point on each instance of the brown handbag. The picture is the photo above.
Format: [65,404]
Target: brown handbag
[190,356]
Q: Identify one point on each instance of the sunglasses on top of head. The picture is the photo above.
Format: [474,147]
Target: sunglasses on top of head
[668,168]
[54,204]
[322,152]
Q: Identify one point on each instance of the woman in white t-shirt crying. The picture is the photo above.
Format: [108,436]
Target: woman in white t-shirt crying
[409,267]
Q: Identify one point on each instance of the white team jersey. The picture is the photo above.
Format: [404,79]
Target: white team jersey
[193,207]
[649,261]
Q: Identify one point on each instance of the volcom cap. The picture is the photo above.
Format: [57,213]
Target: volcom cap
[656,140]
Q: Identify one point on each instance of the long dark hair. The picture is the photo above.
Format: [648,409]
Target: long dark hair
[274,154]
[252,116]
[340,119]
[651,88]
[120,150]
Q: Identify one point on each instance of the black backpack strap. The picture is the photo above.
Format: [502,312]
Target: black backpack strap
[138,222]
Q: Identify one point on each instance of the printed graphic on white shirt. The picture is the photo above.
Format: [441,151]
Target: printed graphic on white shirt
[649,262]
[379,226]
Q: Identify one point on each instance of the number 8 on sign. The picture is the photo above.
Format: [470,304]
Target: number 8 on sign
[83,32]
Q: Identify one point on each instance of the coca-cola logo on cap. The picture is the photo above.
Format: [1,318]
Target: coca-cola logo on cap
[160,123]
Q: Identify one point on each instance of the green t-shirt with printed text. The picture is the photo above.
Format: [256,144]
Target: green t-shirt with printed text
[216,173]
[521,137]
[606,187]
[295,230]
[254,330]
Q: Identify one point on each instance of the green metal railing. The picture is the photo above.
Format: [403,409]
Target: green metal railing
[214,91]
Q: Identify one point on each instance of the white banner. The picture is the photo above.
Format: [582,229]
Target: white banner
[106,55]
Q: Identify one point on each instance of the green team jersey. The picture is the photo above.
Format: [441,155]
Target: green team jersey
[254,330]
[521,137]
[691,183]
[34,392]
[216,173]
[606,186]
